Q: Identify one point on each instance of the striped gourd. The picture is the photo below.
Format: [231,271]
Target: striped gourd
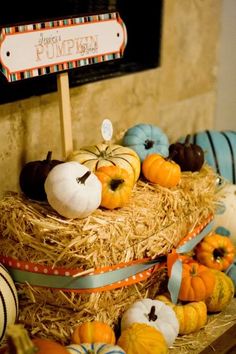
[94,348]
[99,155]
[220,151]
[9,306]
[222,294]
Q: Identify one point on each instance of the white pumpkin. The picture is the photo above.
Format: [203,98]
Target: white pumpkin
[73,190]
[225,221]
[154,313]
[9,306]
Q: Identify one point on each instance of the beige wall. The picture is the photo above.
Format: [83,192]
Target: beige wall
[226,86]
[179,96]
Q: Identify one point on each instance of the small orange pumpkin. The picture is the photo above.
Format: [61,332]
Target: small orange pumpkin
[160,170]
[48,346]
[215,251]
[93,332]
[197,282]
[117,185]
[21,342]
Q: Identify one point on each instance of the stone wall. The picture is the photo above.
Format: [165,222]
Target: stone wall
[179,96]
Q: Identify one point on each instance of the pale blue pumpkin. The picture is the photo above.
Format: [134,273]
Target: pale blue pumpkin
[94,348]
[219,150]
[146,139]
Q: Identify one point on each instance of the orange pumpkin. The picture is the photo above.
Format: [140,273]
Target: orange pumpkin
[215,251]
[93,332]
[21,342]
[48,346]
[160,170]
[117,185]
[197,282]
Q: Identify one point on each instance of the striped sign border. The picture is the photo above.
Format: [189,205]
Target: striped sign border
[44,70]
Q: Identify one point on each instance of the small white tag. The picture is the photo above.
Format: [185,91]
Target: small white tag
[107,129]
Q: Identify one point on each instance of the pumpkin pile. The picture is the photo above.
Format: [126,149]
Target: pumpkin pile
[103,177]
[205,287]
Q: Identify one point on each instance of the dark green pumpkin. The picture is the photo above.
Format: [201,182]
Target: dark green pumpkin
[33,176]
[190,157]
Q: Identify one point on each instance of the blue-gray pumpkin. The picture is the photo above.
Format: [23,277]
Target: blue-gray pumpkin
[219,151]
[146,139]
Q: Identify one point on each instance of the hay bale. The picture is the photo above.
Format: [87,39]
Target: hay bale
[152,223]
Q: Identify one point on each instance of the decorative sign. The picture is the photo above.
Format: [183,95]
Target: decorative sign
[41,48]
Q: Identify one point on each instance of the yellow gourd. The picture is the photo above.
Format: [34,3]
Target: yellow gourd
[222,294]
[192,316]
[140,338]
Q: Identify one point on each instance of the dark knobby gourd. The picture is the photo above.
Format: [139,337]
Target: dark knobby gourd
[219,151]
[33,176]
[190,157]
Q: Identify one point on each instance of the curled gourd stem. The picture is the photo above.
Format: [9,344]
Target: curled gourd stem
[83,178]
[152,316]
[171,155]
[218,253]
[19,341]
[49,156]
[187,140]
[148,144]
[115,183]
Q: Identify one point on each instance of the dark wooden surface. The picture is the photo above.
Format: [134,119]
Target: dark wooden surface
[225,344]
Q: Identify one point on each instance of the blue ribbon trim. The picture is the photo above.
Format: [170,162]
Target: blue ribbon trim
[175,278]
[174,282]
[188,246]
[85,282]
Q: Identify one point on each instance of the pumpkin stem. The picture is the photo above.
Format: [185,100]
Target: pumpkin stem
[218,253]
[115,183]
[171,155]
[187,139]
[19,341]
[148,144]
[152,316]
[83,178]
[49,156]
